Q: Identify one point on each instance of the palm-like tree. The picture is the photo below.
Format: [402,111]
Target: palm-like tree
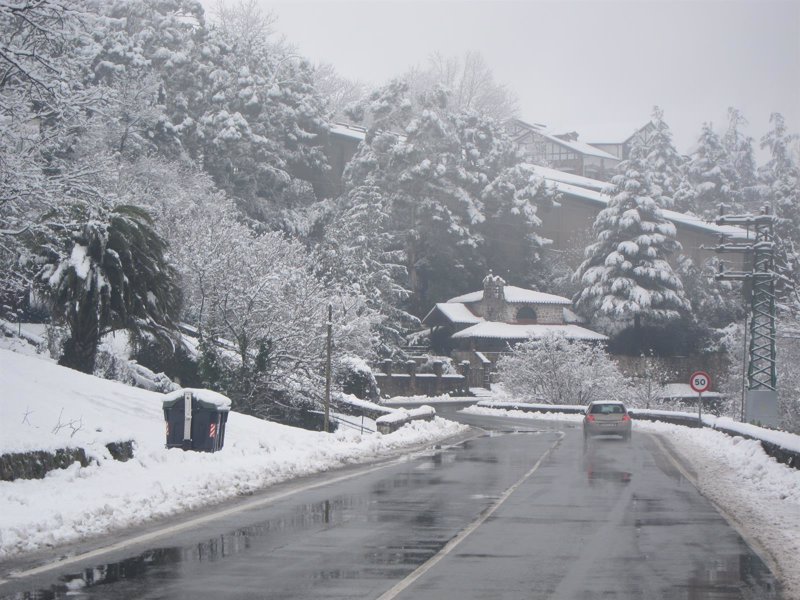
[114,277]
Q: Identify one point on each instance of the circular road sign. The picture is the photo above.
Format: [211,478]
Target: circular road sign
[700,381]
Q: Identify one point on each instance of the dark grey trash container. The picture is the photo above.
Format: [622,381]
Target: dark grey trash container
[201,427]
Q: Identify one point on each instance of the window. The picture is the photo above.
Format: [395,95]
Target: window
[608,409]
[526,313]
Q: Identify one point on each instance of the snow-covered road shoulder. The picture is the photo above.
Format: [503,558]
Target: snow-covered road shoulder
[45,407]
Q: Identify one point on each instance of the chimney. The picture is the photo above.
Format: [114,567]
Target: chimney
[494,300]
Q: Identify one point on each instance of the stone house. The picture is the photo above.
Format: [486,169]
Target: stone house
[480,326]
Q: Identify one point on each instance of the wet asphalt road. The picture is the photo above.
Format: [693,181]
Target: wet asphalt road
[479,520]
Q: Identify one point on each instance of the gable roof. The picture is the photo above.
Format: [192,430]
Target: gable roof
[515,295]
[575,145]
[454,312]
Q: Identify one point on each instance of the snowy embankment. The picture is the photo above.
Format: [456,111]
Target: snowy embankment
[760,495]
[46,407]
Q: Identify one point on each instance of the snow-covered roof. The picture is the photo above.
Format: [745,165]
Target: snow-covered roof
[351,131]
[571,317]
[455,312]
[514,331]
[678,218]
[580,147]
[207,397]
[571,178]
[515,294]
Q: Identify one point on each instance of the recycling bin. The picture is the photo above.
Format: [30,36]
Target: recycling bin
[195,419]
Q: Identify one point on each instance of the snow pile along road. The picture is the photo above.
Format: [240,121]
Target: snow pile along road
[45,407]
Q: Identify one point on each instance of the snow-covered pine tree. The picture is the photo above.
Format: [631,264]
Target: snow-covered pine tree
[450,180]
[626,279]
[664,162]
[781,179]
[712,174]
[421,176]
[781,176]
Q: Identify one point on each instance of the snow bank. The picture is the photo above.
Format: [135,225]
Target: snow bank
[45,407]
[481,409]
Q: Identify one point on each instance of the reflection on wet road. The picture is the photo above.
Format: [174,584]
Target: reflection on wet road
[602,520]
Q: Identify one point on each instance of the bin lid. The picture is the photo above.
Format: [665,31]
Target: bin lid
[204,398]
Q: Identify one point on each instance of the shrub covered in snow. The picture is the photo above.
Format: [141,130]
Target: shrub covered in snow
[355,377]
[447,365]
[555,370]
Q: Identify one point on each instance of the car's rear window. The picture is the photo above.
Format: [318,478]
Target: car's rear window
[608,409]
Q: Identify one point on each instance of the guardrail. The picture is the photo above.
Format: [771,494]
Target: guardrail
[782,446]
[393,422]
[354,424]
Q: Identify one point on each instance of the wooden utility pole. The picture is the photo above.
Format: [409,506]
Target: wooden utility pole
[328,367]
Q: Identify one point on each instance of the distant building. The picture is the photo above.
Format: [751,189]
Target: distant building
[478,327]
[569,225]
[622,150]
[562,151]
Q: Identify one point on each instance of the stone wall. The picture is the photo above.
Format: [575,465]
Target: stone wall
[402,379]
[681,367]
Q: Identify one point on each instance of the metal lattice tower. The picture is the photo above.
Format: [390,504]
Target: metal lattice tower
[760,245]
[761,373]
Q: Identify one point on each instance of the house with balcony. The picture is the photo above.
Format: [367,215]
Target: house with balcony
[562,151]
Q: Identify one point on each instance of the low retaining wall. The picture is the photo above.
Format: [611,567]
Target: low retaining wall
[393,422]
[36,464]
[402,379]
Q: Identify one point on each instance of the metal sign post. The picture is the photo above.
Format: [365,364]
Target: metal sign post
[700,382]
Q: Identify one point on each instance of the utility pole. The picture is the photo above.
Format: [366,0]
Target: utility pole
[762,396]
[328,367]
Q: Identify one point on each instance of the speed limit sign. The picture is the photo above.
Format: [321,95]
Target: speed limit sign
[700,381]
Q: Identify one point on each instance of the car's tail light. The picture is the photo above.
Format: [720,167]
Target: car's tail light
[626,417]
[590,418]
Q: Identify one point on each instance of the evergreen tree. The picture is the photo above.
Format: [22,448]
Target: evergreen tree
[626,278]
[781,176]
[781,179]
[739,148]
[663,161]
[449,181]
[713,177]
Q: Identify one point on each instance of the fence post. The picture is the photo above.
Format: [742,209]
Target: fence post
[465,366]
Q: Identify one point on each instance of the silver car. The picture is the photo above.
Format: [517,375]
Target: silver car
[606,417]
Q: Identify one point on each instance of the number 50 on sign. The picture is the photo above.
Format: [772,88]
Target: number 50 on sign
[700,381]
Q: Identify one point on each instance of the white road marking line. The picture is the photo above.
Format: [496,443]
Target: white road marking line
[464,533]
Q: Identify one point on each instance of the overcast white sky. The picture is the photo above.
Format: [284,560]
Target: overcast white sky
[596,67]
